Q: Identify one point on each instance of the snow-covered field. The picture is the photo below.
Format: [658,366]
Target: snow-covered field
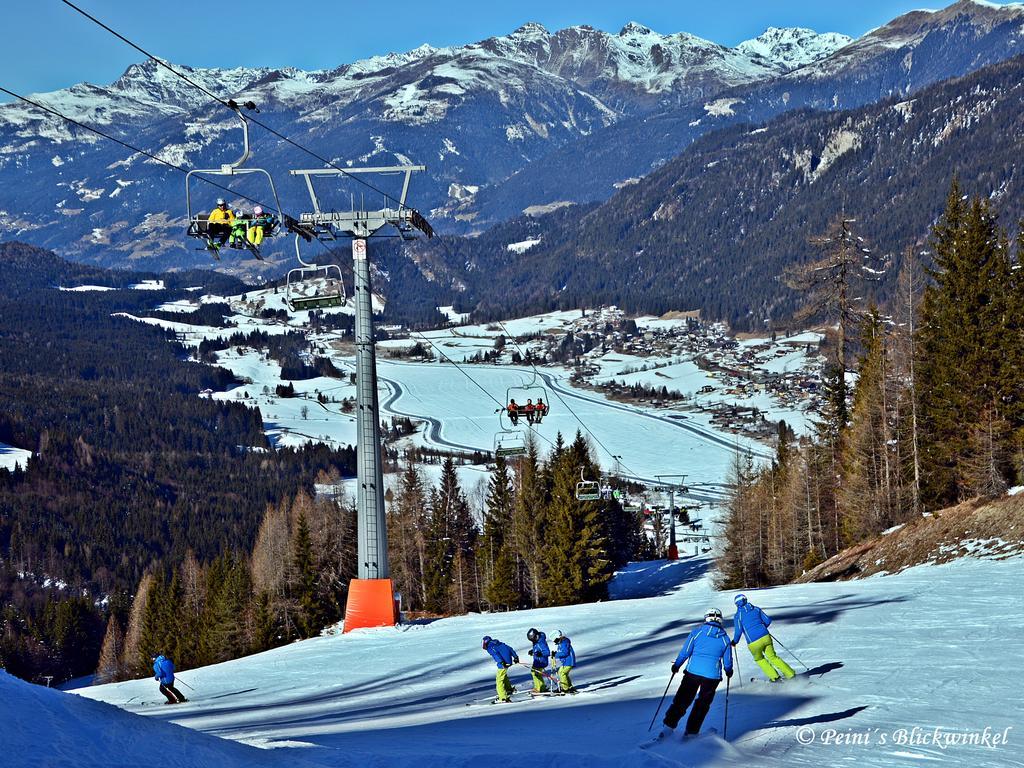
[904,670]
[649,442]
[11,457]
[459,406]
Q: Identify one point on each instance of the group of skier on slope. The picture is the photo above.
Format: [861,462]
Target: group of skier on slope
[706,653]
[564,657]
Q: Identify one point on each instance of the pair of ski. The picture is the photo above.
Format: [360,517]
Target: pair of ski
[517,696]
[529,694]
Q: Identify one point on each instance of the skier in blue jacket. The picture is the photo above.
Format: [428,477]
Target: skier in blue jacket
[163,668]
[753,622]
[504,657]
[707,651]
[540,653]
[566,658]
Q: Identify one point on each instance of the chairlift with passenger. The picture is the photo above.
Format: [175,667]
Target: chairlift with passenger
[313,286]
[528,401]
[261,225]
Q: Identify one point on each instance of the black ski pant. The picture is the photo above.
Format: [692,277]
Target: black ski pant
[684,696]
[218,231]
[174,696]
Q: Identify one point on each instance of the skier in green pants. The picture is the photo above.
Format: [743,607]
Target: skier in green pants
[753,622]
[566,658]
[504,657]
[540,653]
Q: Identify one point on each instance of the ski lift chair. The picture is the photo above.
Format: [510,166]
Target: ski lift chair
[527,397]
[509,443]
[587,490]
[199,223]
[313,286]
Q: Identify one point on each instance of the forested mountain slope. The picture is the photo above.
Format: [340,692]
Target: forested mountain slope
[130,468]
[715,228]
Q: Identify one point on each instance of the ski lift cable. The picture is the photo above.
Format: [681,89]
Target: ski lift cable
[229,104]
[126,145]
[562,400]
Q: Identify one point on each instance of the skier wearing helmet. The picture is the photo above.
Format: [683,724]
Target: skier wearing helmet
[239,227]
[540,653]
[504,657]
[753,622]
[707,651]
[566,658]
[219,222]
[260,226]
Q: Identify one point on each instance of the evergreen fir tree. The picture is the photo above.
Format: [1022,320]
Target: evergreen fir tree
[304,581]
[496,548]
[968,347]
[529,521]
[578,568]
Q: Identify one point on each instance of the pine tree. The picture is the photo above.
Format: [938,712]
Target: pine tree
[226,625]
[310,617]
[968,344]
[450,567]
[529,520]
[578,568]
[496,549]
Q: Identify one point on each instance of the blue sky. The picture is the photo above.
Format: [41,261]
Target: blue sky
[48,46]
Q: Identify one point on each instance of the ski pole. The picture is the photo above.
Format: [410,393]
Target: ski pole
[661,702]
[736,659]
[773,637]
[542,671]
[184,683]
[725,725]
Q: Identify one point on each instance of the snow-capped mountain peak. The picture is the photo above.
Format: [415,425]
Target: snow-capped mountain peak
[793,47]
[634,28]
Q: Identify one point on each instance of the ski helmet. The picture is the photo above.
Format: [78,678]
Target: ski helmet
[220,201]
[238,212]
[532,635]
[559,635]
[740,600]
[713,616]
[487,639]
[257,210]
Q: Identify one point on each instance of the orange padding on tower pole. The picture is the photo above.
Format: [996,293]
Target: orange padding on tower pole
[371,603]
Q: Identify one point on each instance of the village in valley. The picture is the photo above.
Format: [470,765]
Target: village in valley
[745,383]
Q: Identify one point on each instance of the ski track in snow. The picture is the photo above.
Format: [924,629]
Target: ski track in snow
[935,646]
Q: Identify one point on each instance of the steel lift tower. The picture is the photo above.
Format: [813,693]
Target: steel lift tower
[673,547]
[371,600]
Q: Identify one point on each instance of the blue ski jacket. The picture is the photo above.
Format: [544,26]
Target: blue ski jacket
[707,648]
[564,653]
[751,621]
[540,652]
[502,654]
[163,668]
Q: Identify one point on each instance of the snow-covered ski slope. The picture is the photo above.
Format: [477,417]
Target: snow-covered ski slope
[935,648]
